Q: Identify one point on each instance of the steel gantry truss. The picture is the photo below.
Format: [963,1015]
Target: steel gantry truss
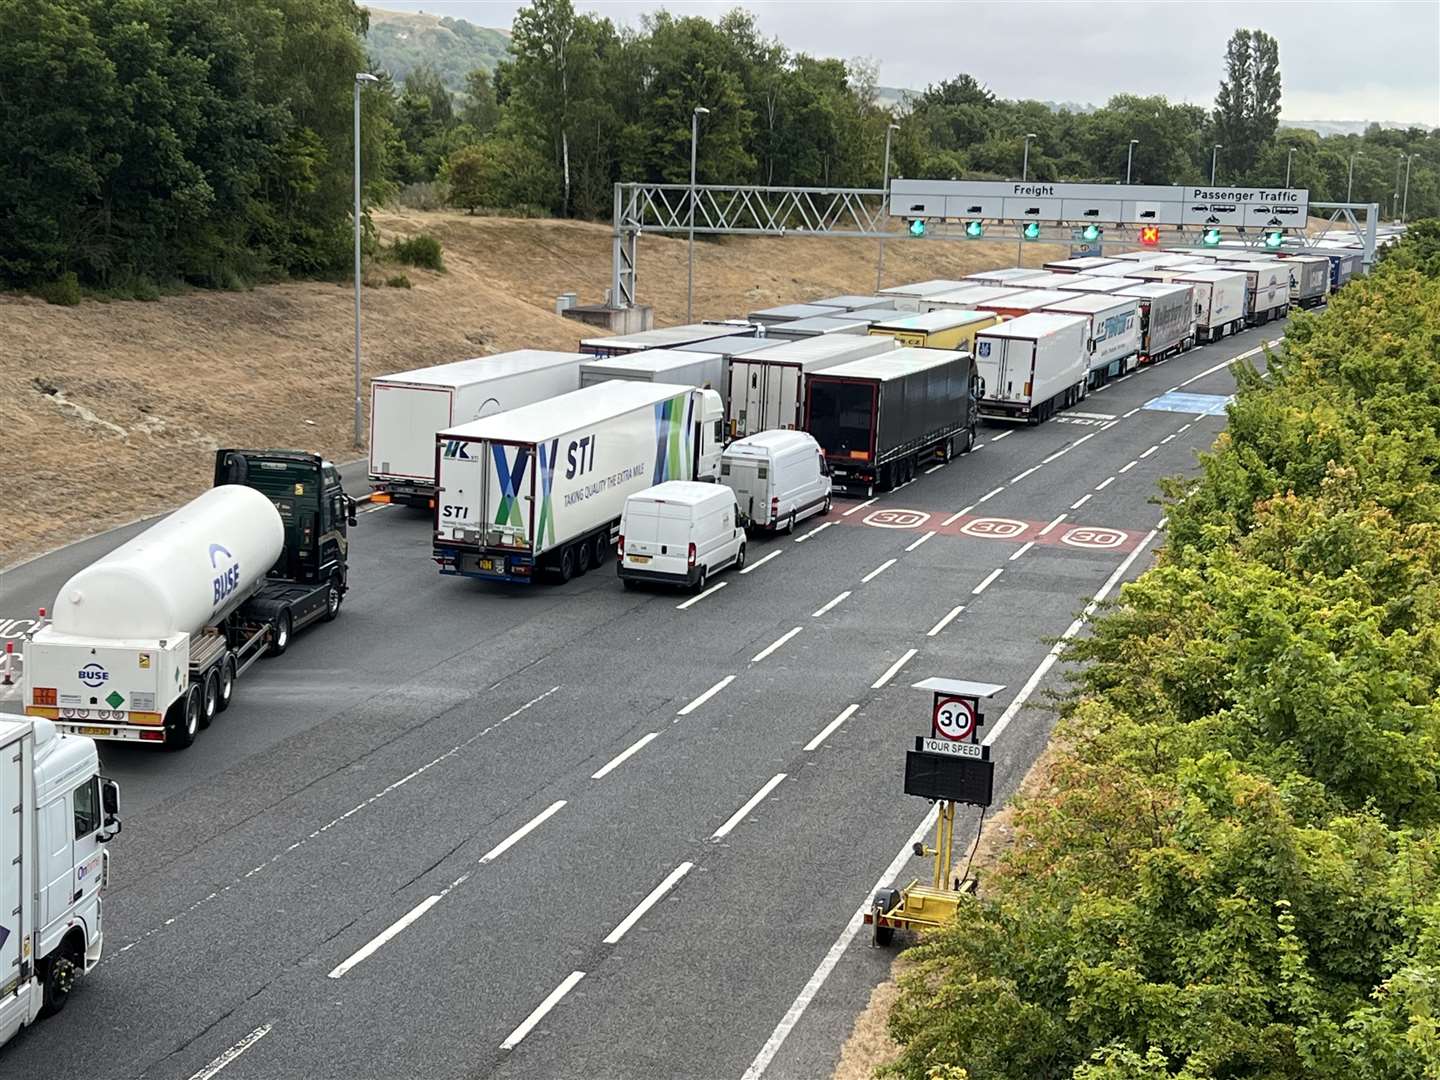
[858,213]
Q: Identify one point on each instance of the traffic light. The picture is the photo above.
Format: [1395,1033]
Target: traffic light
[1211,238]
[974,230]
[1274,238]
[1091,233]
[917,227]
[1032,230]
[1149,235]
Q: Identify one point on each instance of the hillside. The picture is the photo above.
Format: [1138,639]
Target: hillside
[401,41]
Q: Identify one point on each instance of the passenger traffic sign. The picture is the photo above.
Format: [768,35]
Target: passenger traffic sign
[953,718]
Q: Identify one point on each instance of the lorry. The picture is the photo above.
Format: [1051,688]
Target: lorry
[1082,265]
[1167,318]
[1033,365]
[944,329]
[407,408]
[876,419]
[851,302]
[1267,289]
[816,327]
[908,297]
[767,388]
[728,347]
[1309,279]
[968,298]
[1019,276]
[1219,301]
[1022,303]
[1089,283]
[667,337]
[702,369]
[768,317]
[1113,341]
[540,489]
[59,815]
[1344,264]
[145,644]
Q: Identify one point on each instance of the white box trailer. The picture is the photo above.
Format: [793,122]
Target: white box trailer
[968,298]
[727,348]
[1090,283]
[870,316]
[407,408]
[1033,365]
[1219,301]
[705,370]
[541,488]
[768,317]
[58,814]
[767,388]
[816,327]
[851,302]
[666,337]
[1267,289]
[1113,342]
[1082,265]
[1020,276]
[1167,318]
[908,297]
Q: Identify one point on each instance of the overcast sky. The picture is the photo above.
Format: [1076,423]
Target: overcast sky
[1339,59]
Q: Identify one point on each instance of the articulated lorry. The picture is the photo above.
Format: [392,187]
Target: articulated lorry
[1309,279]
[1167,318]
[59,813]
[942,329]
[877,418]
[1267,288]
[767,388]
[145,643]
[407,408]
[540,489]
[666,337]
[1219,301]
[1033,365]
[909,297]
[684,368]
[1113,343]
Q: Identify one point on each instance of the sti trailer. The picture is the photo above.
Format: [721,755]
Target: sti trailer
[703,369]
[406,409]
[876,419]
[1033,365]
[1167,318]
[667,337]
[953,329]
[1267,289]
[1114,339]
[767,388]
[1219,302]
[541,488]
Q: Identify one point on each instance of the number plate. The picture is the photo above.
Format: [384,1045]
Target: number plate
[638,558]
[487,564]
[99,732]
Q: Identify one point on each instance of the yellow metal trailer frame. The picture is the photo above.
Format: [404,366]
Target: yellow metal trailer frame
[917,906]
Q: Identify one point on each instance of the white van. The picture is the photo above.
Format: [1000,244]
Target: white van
[679,532]
[778,477]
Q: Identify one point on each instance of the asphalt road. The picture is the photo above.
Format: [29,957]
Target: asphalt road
[460,803]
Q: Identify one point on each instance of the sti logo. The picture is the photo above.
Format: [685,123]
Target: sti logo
[455,450]
[93,675]
[228,579]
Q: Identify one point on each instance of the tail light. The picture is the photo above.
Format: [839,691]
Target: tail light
[774,506]
[620,546]
[690,558]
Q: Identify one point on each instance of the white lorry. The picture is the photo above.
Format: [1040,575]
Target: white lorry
[407,408]
[682,368]
[58,815]
[1033,365]
[1267,288]
[909,297]
[666,337]
[767,388]
[541,488]
[1114,338]
[1219,301]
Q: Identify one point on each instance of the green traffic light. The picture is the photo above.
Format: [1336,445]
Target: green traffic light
[1032,230]
[974,229]
[1274,239]
[1211,238]
[917,227]
[1092,232]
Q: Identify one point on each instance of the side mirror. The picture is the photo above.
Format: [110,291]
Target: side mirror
[350,518]
[110,803]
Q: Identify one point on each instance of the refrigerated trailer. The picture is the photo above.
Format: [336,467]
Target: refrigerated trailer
[1019,276]
[1113,342]
[1089,283]
[767,388]
[876,419]
[816,327]
[944,329]
[968,298]
[851,302]
[1219,301]
[788,313]
[1083,265]
[1267,289]
[1167,318]
[541,488]
[702,369]
[407,408]
[667,337]
[1022,303]
[1033,365]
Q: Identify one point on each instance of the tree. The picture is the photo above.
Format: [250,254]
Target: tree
[1247,108]
[481,112]
[502,172]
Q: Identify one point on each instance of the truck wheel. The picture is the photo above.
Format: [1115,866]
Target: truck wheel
[280,633]
[566,565]
[700,580]
[183,722]
[227,682]
[602,550]
[790,523]
[582,559]
[740,557]
[210,697]
[333,596]
[60,975]
[969,440]
[826,506]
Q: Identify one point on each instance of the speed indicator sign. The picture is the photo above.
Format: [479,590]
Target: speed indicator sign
[954,718]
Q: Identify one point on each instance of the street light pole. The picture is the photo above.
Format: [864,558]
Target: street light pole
[1024,175]
[1130,159]
[1214,162]
[1405,198]
[1395,197]
[1288,159]
[695,115]
[1350,181]
[361,77]
[884,184]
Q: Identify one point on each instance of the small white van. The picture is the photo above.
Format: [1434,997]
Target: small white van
[679,532]
[779,477]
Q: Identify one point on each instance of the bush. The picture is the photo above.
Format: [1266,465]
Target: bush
[499,172]
[422,249]
[425,195]
[398,281]
[64,290]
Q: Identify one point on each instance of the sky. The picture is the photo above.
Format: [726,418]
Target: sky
[1339,59]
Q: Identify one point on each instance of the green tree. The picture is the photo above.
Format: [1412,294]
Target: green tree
[1247,108]
[481,111]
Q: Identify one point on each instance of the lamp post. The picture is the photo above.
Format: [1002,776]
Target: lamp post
[1395,196]
[884,184]
[361,77]
[1130,159]
[1350,180]
[695,115]
[1405,198]
[1214,162]
[1025,165]
[1290,157]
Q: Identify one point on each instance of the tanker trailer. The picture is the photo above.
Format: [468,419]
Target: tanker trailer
[145,644]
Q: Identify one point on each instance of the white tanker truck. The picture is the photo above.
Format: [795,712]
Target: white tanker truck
[145,644]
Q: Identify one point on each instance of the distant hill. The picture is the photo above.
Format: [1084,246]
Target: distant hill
[401,41]
[1344,127]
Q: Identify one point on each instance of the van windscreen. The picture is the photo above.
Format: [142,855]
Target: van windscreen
[840,416]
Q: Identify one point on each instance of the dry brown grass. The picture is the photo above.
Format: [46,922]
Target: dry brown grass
[111,410]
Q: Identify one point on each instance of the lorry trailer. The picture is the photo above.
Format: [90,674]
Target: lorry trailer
[703,369]
[870,316]
[908,297]
[407,408]
[145,643]
[816,327]
[1022,303]
[667,337]
[1167,318]
[1033,365]
[968,298]
[788,313]
[767,388]
[540,489]
[1082,265]
[1309,279]
[1089,283]
[850,302]
[59,815]
[727,347]
[1267,289]
[944,329]
[1113,343]
[876,419]
[1019,276]
[1219,301]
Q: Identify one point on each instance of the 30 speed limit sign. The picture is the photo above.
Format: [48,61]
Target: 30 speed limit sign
[954,718]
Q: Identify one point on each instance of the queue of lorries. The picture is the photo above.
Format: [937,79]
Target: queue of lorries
[665,447]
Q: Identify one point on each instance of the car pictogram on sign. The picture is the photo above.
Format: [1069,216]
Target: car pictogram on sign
[897,519]
[1090,537]
[994,528]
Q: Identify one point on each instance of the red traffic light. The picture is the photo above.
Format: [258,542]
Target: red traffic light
[1150,235]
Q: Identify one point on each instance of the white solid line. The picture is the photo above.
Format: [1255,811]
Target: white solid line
[761,562]
[1027,472]
[522,832]
[1002,435]
[954,611]
[1132,412]
[234,1052]
[1166,439]
[706,696]
[768,649]
[1131,465]
[992,493]
[862,506]
[934,468]
[701,596]
[1080,502]
[1105,483]
[957,515]
[1052,524]
[671,879]
[754,801]
[527,1025]
[920,541]
[829,729]
[374,946]
[837,950]
[873,574]
[1021,550]
[830,604]
[990,577]
[1054,654]
[812,532]
[891,671]
[624,756]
